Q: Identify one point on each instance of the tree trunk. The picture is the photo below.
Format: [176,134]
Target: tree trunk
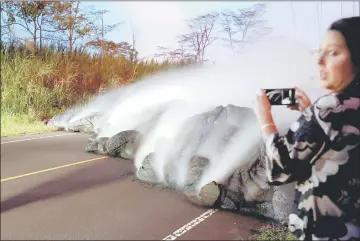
[71,40]
[34,44]
[40,34]
[35,37]
[40,42]
[72,27]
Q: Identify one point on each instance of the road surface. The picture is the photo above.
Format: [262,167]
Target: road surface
[52,189]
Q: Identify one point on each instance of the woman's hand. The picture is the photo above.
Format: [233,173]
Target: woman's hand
[262,110]
[262,107]
[303,101]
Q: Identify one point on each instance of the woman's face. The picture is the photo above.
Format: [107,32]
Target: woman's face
[336,68]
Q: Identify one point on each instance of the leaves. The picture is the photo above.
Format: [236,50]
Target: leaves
[60,21]
[111,48]
[69,22]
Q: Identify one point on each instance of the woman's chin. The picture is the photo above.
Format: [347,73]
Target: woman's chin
[327,86]
[324,84]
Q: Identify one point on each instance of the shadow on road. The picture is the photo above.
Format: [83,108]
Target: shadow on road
[93,175]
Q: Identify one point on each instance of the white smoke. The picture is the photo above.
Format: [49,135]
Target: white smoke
[182,93]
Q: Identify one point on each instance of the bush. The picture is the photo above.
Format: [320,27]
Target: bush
[53,80]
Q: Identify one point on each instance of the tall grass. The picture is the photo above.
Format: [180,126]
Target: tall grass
[49,82]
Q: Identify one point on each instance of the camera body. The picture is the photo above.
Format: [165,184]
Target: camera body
[281,96]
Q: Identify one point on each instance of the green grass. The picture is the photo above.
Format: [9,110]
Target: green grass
[35,87]
[40,84]
[272,232]
[20,124]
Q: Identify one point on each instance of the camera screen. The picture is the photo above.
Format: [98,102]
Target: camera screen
[281,96]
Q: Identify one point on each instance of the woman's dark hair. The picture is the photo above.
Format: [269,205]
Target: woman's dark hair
[350,29]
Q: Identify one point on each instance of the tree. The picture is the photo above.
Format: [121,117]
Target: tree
[245,25]
[99,42]
[32,16]
[6,33]
[134,54]
[162,52]
[228,28]
[105,47]
[99,31]
[200,34]
[177,55]
[72,22]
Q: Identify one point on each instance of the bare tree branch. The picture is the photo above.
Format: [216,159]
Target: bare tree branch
[245,25]
[200,35]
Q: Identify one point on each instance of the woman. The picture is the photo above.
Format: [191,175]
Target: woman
[321,151]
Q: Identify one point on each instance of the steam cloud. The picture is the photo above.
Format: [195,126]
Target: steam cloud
[174,96]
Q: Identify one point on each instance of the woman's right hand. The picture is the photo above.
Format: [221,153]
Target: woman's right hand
[302,100]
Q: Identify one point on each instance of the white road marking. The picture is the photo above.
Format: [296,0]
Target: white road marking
[35,138]
[181,231]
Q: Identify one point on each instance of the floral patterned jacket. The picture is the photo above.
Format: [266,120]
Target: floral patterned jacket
[321,153]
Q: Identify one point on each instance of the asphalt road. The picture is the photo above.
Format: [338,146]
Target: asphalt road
[52,189]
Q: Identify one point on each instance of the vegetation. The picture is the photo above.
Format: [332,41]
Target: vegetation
[40,86]
[272,232]
[20,124]
[47,73]
[66,58]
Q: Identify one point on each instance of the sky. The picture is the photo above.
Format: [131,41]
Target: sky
[159,23]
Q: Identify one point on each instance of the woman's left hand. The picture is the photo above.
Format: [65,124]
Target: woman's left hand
[262,107]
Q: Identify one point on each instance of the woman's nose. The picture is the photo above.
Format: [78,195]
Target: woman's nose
[320,59]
